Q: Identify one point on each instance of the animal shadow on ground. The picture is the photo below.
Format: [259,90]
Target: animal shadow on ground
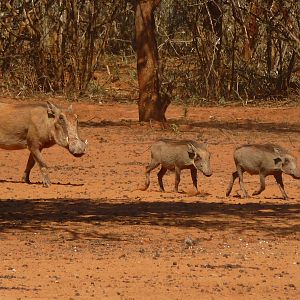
[40,183]
[36,214]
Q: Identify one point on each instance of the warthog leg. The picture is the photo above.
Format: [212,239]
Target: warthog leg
[194,178]
[160,176]
[43,167]
[280,184]
[149,168]
[240,172]
[177,178]
[262,178]
[230,185]
[29,166]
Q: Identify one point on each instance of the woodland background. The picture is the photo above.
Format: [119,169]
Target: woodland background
[213,51]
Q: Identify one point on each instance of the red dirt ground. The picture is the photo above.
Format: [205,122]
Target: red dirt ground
[93,235]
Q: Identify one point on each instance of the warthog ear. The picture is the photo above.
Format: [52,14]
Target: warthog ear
[52,110]
[191,151]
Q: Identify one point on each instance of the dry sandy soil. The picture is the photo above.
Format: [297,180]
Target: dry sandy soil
[93,235]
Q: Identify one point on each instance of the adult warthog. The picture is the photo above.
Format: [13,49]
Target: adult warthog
[38,126]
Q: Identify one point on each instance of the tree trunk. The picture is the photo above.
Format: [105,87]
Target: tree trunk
[151,105]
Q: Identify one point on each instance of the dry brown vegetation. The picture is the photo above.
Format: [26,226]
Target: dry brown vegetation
[212,50]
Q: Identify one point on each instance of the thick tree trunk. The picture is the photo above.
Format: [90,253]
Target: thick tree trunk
[151,105]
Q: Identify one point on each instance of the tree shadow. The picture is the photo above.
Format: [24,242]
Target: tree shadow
[246,125]
[106,123]
[36,214]
[242,125]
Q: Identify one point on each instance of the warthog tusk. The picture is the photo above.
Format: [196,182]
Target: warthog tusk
[67,138]
[86,142]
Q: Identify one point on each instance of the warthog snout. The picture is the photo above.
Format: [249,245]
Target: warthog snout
[289,166]
[203,165]
[295,174]
[205,170]
[208,173]
[77,147]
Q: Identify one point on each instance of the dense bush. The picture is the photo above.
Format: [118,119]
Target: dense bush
[213,50]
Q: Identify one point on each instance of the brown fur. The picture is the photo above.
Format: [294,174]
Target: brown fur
[35,127]
[264,160]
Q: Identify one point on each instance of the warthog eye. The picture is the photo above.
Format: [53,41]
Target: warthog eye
[61,118]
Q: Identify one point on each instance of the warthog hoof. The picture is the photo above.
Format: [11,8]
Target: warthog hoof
[46,182]
[26,179]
